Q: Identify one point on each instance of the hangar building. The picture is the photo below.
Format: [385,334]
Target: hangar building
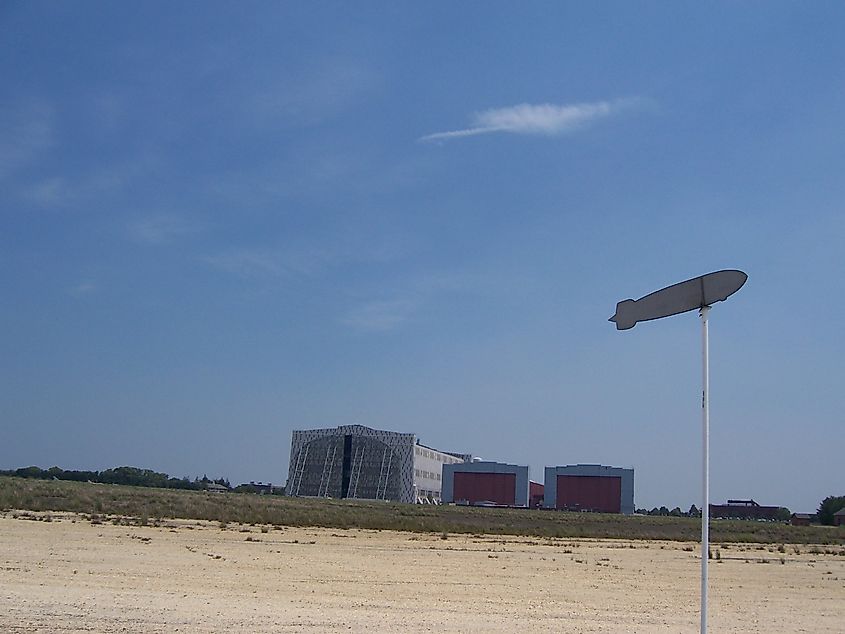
[744,510]
[485,482]
[536,493]
[590,487]
[353,461]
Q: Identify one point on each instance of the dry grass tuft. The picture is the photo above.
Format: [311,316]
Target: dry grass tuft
[137,505]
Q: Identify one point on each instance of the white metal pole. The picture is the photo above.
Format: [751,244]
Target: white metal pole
[705,487]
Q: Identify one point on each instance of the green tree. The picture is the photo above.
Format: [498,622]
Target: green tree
[830,505]
[30,472]
[80,476]
[134,476]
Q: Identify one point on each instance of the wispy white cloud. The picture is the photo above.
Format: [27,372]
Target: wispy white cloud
[294,261]
[379,316]
[49,192]
[541,119]
[86,287]
[26,131]
[421,296]
[311,256]
[162,228]
[249,262]
[320,91]
[64,192]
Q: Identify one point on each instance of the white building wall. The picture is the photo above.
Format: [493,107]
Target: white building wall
[428,472]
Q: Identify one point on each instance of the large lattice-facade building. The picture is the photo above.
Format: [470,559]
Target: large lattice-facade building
[353,461]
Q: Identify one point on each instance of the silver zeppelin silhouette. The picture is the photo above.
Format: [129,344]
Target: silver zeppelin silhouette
[679,298]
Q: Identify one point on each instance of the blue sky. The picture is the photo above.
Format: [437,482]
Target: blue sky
[221,222]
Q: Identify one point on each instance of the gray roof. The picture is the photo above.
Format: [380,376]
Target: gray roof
[840,511]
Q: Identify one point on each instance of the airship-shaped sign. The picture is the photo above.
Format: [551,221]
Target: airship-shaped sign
[679,298]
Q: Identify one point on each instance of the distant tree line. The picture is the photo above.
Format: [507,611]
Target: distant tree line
[259,489]
[675,512]
[783,513]
[830,505]
[132,476]
[824,515]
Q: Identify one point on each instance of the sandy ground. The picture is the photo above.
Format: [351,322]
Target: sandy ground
[70,575]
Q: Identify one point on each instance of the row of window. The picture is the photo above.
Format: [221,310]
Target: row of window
[435,455]
[426,474]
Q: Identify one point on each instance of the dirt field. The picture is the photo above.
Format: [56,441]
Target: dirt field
[71,575]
